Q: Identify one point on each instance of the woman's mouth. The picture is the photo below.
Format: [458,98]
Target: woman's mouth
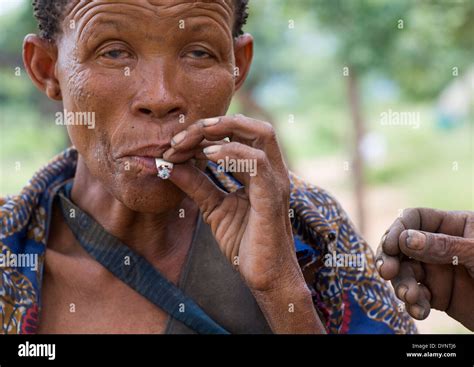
[148,165]
[143,163]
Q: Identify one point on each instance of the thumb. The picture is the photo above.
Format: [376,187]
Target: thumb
[198,186]
[437,248]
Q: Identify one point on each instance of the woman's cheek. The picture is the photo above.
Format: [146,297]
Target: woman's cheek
[213,92]
[86,93]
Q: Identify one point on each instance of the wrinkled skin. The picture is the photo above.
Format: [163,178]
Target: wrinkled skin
[147,79]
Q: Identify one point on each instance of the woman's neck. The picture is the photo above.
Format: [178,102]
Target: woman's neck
[155,236]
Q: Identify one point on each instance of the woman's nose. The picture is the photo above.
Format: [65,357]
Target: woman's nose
[159,95]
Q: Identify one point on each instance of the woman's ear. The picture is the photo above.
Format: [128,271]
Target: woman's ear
[39,57]
[243,51]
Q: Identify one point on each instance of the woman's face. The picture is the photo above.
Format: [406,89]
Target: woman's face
[147,70]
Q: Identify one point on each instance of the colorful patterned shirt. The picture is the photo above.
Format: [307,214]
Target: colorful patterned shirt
[349,299]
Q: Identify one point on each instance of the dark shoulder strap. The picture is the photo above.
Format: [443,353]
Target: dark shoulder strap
[209,278]
[135,270]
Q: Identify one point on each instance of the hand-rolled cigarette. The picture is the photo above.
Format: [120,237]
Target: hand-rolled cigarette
[164,168]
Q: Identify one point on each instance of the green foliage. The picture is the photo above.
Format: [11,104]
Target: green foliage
[416,43]
[15,89]
[27,141]
[437,38]
[365,30]
[14,26]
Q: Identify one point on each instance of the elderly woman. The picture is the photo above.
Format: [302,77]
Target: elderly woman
[128,242]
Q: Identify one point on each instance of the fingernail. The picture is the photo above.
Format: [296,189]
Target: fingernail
[419,312]
[378,264]
[168,153]
[211,121]
[415,240]
[402,291]
[178,138]
[212,149]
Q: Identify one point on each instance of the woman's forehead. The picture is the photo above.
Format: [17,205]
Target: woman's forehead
[81,8]
[136,14]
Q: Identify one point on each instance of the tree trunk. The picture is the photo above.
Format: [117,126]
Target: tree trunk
[358,133]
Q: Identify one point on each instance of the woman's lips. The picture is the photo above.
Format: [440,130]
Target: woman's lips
[145,164]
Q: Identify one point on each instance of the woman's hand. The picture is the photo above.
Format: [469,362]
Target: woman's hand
[251,225]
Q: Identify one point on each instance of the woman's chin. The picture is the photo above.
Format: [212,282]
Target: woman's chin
[149,195]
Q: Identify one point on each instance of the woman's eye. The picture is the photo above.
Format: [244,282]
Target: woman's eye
[115,54]
[199,54]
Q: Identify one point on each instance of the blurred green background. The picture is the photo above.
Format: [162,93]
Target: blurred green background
[338,79]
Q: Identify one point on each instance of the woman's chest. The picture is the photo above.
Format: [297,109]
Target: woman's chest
[115,313]
[79,297]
